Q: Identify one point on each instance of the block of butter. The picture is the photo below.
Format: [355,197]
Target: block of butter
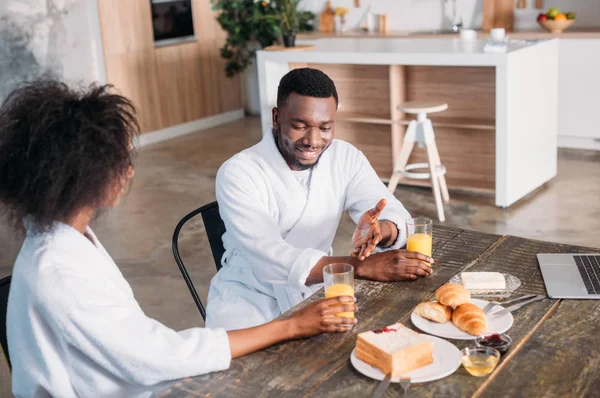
[483,280]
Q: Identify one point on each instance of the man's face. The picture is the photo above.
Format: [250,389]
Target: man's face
[304,129]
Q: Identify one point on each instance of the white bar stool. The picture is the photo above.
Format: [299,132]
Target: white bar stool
[420,131]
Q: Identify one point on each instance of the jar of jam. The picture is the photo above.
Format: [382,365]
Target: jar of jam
[501,342]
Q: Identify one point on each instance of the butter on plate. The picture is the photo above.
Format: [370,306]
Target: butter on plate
[483,280]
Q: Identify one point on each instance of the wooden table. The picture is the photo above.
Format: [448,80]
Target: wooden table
[555,349]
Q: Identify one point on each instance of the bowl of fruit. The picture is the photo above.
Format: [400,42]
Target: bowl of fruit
[554,21]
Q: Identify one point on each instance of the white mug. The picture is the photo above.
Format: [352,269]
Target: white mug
[497,34]
[468,34]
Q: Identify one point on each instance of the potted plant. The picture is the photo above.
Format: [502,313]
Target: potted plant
[287,13]
[247,30]
[250,26]
[254,24]
[306,21]
[291,20]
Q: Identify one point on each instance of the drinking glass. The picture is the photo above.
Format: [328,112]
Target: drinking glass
[339,281]
[419,233]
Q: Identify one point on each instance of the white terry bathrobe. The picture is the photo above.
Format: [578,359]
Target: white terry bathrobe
[75,329]
[278,228]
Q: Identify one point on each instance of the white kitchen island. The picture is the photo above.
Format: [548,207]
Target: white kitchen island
[499,133]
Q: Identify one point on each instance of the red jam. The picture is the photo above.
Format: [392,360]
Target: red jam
[384,330]
[495,341]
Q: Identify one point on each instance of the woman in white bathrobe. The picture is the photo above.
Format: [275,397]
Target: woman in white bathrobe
[74,327]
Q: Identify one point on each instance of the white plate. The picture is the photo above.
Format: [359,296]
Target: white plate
[446,359]
[496,324]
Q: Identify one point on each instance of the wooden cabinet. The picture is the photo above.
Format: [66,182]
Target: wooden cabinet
[579,93]
[169,85]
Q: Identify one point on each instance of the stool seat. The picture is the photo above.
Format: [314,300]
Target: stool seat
[423,107]
[421,175]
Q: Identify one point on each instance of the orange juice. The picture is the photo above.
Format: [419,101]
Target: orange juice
[340,289]
[419,243]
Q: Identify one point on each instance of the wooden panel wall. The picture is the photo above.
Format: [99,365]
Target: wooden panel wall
[362,89]
[469,91]
[170,85]
[465,133]
[374,140]
[468,154]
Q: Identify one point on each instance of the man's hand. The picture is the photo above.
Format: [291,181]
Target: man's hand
[394,265]
[368,232]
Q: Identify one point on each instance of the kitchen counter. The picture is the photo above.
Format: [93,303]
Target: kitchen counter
[407,51]
[500,130]
[573,33]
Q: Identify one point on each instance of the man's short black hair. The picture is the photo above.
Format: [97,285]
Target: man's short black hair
[308,82]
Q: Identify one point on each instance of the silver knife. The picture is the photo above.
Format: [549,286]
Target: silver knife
[525,297]
[517,306]
[382,386]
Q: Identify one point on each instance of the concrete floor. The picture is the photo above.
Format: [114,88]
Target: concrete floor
[177,176]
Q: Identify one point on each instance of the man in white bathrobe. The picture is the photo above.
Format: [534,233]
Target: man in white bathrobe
[281,201]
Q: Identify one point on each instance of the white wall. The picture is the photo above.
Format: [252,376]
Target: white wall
[59,37]
[436,14]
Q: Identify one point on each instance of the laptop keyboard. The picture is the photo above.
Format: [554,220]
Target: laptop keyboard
[589,268]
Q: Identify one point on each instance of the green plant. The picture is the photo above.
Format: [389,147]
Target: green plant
[306,21]
[252,24]
[290,19]
[287,14]
[246,28]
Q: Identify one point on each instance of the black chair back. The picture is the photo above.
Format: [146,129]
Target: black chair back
[215,228]
[4,289]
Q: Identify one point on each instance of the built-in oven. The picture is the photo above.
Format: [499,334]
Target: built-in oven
[172,21]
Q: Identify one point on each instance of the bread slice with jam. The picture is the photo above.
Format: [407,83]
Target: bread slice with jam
[394,349]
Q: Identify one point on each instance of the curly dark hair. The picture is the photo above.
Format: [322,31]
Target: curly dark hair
[61,149]
[308,82]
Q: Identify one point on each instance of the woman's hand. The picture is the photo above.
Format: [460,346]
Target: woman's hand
[320,317]
[315,318]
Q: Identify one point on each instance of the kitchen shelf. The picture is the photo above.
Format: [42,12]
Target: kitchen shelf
[440,121]
[463,185]
[460,122]
[363,119]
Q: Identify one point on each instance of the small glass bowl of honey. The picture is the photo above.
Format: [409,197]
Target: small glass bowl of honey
[480,361]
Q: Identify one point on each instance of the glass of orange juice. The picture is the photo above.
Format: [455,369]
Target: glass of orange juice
[339,281]
[419,233]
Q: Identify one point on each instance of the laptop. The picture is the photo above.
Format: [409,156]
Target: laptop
[571,276]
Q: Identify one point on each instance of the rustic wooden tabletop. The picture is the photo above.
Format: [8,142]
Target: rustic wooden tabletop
[555,350]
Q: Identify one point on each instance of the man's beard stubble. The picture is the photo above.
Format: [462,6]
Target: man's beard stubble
[289,157]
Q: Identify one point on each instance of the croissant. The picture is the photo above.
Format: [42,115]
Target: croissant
[470,318]
[452,295]
[434,312]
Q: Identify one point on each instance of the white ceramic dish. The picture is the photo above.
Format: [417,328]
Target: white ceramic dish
[496,324]
[446,359]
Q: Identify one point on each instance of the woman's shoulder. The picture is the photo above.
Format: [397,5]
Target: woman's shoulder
[54,261]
